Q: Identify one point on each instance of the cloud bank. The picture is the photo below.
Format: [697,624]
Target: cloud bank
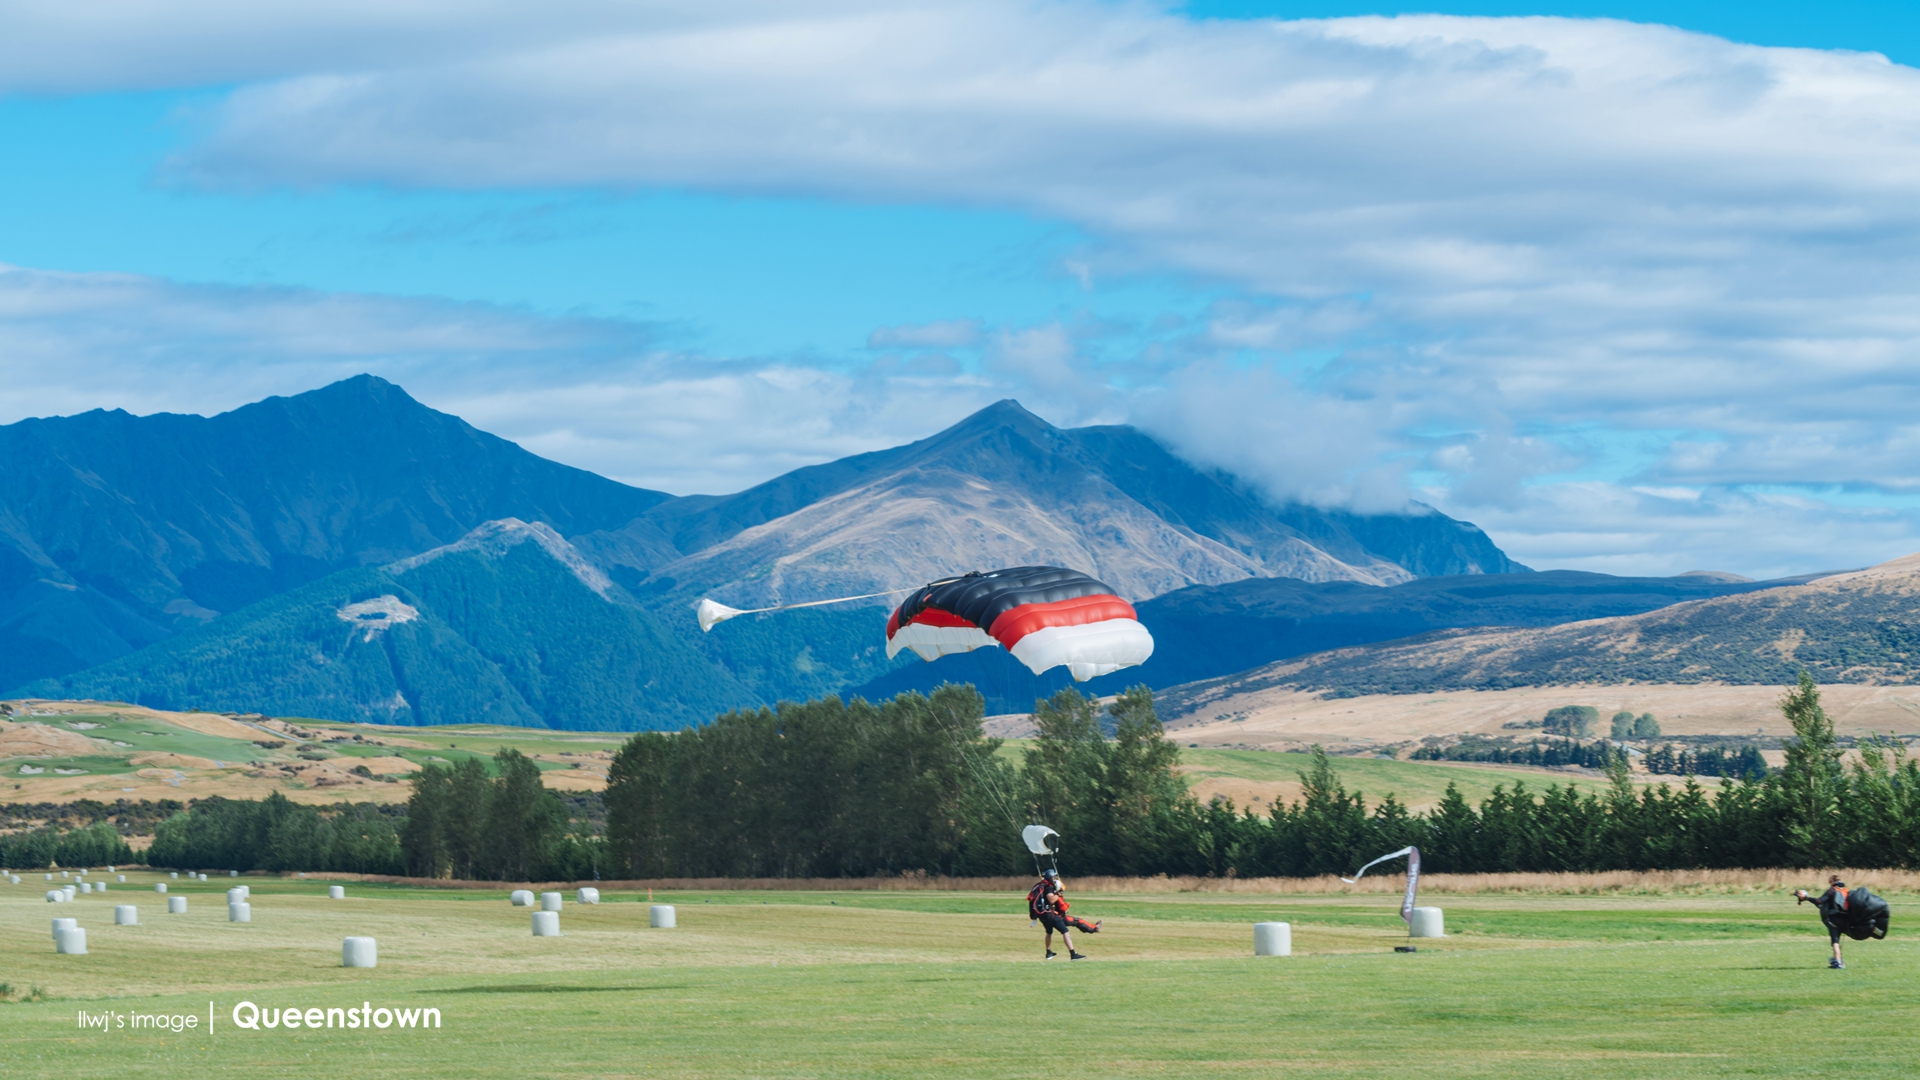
[1470,259]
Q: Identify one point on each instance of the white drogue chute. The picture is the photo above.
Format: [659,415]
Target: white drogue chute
[710,613]
[1036,838]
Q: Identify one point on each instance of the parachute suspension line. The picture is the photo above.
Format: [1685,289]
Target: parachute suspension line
[983,778]
[710,613]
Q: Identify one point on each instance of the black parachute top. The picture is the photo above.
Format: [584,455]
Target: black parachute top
[981,598]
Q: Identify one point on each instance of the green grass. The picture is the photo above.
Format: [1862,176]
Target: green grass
[1412,782]
[949,985]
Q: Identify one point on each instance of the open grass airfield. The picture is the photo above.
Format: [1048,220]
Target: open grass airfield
[1690,983]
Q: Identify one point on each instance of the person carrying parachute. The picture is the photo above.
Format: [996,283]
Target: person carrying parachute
[1045,905]
[1858,914]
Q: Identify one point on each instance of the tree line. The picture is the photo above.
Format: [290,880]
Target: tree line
[98,844]
[275,834]
[827,788]
[830,788]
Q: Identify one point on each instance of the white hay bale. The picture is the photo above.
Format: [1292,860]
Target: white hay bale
[1427,922]
[126,915]
[86,888]
[99,886]
[1272,939]
[63,924]
[246,891]
[55,896]
[70,942]
[70,891]
[660,916]
[160,886]
[64,874]
[546,924]
[233,873]
[339,892]
[239,911]
[175,875]
[303,873]
[176,905]
[13,879]
[358,952]
[521,898]
[49,877]
[110,870]
[551,901]
[587,896]
[122,879]
[203,877]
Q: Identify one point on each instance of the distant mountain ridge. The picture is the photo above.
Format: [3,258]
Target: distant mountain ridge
[1005,488]
[118,532]
[192,561]
[508,625]
[1854,627]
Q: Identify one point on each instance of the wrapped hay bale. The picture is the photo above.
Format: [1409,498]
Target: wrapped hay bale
[70,942]
[660,916]
[338,892]
[587,896]
[358,952]
[176,905]
[546,924]
[126,915]
[1272,939]
[521,898]
[160,886]
[239,911]
[551,901]
[1427,922]
[63,924]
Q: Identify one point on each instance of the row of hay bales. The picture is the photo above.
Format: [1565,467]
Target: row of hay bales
[70,938]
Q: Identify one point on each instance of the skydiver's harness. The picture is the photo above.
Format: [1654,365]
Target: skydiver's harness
[1042,899]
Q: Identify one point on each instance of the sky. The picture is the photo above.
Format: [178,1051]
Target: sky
[1633,286]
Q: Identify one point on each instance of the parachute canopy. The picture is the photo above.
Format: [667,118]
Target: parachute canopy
[1036,838]
[1047,617]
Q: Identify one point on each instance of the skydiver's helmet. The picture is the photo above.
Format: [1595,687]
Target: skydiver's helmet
[1050,874]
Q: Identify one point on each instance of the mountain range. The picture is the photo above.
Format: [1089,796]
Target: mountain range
[1853,627]
[350,553]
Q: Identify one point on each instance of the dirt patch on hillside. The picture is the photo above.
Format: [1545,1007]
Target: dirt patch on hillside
[206,723]
[29,739]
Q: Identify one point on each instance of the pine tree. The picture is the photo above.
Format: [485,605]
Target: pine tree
[1809,785]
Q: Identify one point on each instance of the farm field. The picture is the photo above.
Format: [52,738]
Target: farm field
[63,751]
[950,984]
[60,752]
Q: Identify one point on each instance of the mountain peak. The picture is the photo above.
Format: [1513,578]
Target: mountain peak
[1002,415]
[495,538]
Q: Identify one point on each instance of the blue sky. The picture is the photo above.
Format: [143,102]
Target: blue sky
[1633,299]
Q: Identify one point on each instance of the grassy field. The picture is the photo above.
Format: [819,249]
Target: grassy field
[889,984]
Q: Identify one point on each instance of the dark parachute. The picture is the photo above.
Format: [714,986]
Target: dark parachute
[1046,616]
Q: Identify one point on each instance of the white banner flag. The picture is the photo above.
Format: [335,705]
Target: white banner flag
[1413,877]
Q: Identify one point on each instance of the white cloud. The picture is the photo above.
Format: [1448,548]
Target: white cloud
[1458,247]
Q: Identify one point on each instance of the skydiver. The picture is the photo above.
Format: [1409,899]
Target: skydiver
[1860,915]
[1043,906]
